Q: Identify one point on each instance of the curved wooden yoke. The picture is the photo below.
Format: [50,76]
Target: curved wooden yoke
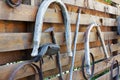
[39,23]
[87,48]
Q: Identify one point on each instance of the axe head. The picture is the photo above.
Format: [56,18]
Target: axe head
[49,29]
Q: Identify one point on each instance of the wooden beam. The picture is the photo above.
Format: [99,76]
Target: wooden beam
[20,41]
[28,13]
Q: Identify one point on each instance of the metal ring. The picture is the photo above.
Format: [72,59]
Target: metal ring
[93,65]
[111,70]
[12,4]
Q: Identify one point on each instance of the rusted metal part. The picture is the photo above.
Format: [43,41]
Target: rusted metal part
[47,49]
[51,30]
[21,65]
[115,62]
[92,69]
[13,4]
[75,42]
[39,23]
[87,48]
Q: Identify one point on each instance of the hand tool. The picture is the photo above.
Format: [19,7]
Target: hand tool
[39,23]
[75,42]
[51,30]
[87,48]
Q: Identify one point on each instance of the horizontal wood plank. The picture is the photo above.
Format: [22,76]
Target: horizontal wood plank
[28,13]
[94,5]
[20,41]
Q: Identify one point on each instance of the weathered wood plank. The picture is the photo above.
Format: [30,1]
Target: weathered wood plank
[107,75]
[28,13]
[21,55]
[13,56]
[94,5]
[20,41]
[51,64]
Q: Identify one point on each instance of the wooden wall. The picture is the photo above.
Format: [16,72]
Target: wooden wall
[16,32]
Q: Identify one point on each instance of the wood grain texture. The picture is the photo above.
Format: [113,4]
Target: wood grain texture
[21,41]
[28,13]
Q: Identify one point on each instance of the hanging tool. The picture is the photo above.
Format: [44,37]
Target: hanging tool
[87,48]
[13,3]
[115,62]
[51,30]
[75,42]
[39,23]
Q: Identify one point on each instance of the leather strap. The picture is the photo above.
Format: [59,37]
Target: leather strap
[93,65]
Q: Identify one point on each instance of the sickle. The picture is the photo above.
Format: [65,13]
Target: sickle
[39,23]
